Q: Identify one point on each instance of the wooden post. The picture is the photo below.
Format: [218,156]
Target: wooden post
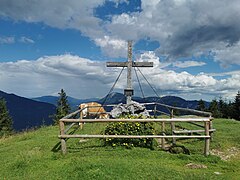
[173,128]
[81,117]
[211,127]
[129,72]
[163,133]
[63,140]
[155,111]
[207,140]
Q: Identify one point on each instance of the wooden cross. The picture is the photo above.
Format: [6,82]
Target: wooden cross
[128,92]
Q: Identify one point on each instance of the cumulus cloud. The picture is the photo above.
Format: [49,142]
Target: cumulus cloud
[112,47]
[228,55]
[84,78]
[56,13]
[7,40]
[182,27]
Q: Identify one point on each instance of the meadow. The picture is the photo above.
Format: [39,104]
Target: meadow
[36,155]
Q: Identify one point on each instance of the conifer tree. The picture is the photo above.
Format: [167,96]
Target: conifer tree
[63,107]
[223,108]
[5,119]
[201,105]
[214,109]
[237,106]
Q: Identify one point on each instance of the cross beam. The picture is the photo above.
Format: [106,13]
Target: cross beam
[134,64]
[129,64]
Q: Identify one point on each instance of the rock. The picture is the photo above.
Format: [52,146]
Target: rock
[134,109]
[195,166]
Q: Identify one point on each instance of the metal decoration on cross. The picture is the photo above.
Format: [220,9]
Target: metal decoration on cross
[128,92]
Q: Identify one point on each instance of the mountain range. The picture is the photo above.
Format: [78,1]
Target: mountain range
[116,98]
[73,102]
[29,113]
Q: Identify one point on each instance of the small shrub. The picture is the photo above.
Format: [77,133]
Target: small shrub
[130,128]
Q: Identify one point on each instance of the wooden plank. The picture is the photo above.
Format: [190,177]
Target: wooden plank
[72,114]
[186,109]
[138,120]
[192,131]
[69,127]
[116,64]
[142,64]
[128,136]
[134,64]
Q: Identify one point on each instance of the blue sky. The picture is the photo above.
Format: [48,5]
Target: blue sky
[46,46]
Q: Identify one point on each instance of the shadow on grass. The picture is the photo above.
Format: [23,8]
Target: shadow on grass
[57,147]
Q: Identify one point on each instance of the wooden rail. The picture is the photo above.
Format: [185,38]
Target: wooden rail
[127,136]
[136,120]
[63,136]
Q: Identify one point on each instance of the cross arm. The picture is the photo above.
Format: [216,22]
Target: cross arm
[124,64]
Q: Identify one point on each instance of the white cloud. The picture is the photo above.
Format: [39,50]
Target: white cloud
[186,64]
[24,39]
[112,47]
[76,14]
[46,75]
[7,40]
[228,55]
[224,73]
[124,19]
[84,78]
[182,27]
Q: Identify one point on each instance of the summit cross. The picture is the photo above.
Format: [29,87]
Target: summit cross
[128,92]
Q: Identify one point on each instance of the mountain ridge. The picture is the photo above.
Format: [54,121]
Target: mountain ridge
[27,113]
[116,98]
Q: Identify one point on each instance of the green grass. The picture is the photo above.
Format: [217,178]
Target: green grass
[35,155]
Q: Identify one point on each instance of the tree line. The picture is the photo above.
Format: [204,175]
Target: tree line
[219,109]
[222,109]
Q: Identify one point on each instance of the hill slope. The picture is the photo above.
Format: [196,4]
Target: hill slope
[29,156]
[27,113]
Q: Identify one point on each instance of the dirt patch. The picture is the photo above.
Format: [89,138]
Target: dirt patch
[231,152]
[195,166]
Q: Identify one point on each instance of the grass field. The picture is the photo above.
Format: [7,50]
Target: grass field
[35,155]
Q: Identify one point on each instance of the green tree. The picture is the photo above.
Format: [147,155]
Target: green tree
[201,105]
[236,106]
[214,109]
[63,107]
[223,108]
[5,119]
